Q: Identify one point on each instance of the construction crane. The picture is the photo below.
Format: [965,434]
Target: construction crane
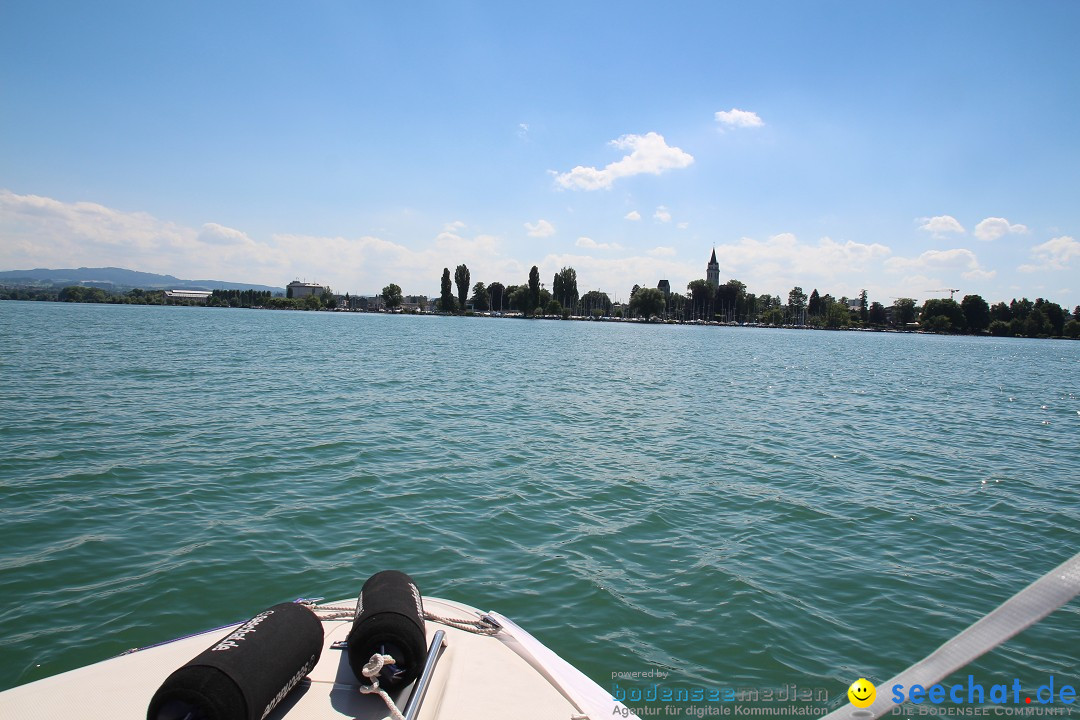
[951,291]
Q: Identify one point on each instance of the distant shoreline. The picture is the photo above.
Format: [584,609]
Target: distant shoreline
[572,318]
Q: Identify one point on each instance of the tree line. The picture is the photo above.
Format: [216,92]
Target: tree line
[84,294]
[138,296]
[731,302]
[531,298]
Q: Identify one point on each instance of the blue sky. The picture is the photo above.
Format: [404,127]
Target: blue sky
[897,147]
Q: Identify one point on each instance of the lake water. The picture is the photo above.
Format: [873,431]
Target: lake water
[737,507]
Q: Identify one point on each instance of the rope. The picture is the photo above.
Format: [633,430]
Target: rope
[371,671]
[334,613]
[479,627]
[329,612]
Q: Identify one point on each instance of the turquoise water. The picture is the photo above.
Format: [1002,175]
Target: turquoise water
[736,507]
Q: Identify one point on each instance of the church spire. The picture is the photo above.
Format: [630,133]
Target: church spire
[712,272]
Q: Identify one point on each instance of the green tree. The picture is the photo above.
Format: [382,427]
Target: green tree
[837,314]
[1054,313]
[1020,308]
[999,328]
[676,304]
[773,316]
[534,290]
[904,311]
[497,294]
[948,309]
[647,302]
[1037,325]
[480,297]
[595,304]
[796,302]
[461,279]
[864,308]
[509,294]
[553,307]
[730,300]
[752,304]
[1072,329]
[813,309]
[937,324]
[446,297]
[1000,311]
[876,315]
[392,296]
[83,294]
[327,299]
[518,299]
[701,297]
[73,293]
[976,313]
[564,287]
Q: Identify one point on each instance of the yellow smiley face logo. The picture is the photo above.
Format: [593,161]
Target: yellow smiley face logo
[862,693]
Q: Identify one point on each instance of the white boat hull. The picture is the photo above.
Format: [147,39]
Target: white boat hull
[477,677]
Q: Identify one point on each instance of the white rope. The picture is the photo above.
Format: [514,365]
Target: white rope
[371,671]
[479,627]
[333,613]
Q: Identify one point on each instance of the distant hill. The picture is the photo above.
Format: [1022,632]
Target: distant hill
[119,279]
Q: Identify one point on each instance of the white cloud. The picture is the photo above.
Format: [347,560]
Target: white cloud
[649,154]
[214,234]
[523,131]
[453,227]
[541,229]
[366,264]
[662,251]
[632,215]
[782,261]
[992,228]
[682,225]
[662,214]
[587,242]
[955,260]
[1055,254]
[42,232]
[735,118]
[940,225]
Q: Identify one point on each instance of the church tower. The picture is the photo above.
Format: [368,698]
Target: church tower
[712,274]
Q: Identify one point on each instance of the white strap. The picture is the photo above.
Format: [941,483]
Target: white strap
[1022,610]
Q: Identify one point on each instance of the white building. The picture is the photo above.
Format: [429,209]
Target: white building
[196,295]
[297,289]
